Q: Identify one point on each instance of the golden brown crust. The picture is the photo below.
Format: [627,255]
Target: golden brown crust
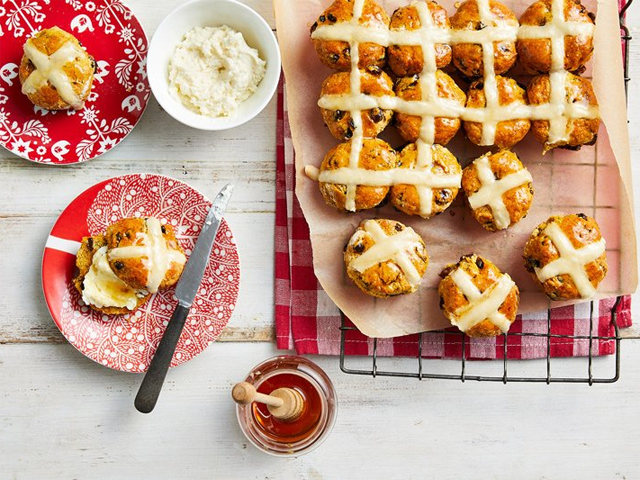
[582,131]
[534,54]
[80,71]
[132,271]
[517,200]
[84,259]
[405,197]
[376,154]
[409,88]
[375,83]
[484,275]
[384,279]
[407,60]
[337,54]
[508,133]
[539,251]
[467,57]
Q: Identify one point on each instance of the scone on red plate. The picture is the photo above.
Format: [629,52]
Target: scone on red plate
[566,256]
[56,73]
[499,189]
[477,297]
[144,253]
[384,258]
[336,54]
[118,271]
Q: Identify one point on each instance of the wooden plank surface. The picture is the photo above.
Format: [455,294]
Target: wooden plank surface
[62,416]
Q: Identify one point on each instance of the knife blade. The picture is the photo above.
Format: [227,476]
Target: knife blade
[186,290]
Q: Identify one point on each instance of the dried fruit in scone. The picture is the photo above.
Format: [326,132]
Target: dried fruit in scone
[407,60]
[534,53]
[566,257]
[336,54]
[468,57]
[449,94]
[144,253]
[56,73]
[100,288]
[504,134]
[385,258]
[435,176]
[373,83]
[477,297]
[578,126]
[499,189]
[353,189]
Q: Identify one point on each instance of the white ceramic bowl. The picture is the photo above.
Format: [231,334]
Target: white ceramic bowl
[213,13]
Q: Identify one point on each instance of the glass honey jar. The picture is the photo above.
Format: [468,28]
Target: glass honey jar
[311,422]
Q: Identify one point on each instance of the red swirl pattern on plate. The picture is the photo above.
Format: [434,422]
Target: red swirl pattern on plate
[128,342]
[120,93]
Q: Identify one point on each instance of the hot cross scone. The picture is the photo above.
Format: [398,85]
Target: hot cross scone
[118,271]
[566,257]
[477,298]
[56,73]
[385,258]
[499,189]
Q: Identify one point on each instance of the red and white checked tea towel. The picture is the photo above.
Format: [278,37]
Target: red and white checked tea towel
[309,322]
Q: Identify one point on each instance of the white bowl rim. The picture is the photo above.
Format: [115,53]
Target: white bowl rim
[232,121]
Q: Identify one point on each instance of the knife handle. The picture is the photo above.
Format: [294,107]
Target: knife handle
[154,378]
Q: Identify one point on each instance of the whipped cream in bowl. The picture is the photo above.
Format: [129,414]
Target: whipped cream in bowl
[213,64]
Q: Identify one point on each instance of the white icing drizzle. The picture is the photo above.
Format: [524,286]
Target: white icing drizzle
[482,305]
[492,190]
[386,248]
[49,68]
[152,248]
[571,261]
[557,111]
[386,178]
[356,115]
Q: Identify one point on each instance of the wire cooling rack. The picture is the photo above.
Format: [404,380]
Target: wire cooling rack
[418,370]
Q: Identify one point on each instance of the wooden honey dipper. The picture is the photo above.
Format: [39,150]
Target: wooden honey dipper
[285,404]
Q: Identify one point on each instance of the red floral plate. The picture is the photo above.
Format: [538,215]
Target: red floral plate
[114,37]
[128,342]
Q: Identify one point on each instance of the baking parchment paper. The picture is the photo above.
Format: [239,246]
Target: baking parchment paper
[595,181]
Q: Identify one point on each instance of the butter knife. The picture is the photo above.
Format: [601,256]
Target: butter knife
[185,292]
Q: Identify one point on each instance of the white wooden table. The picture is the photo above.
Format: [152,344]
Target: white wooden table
[63,416]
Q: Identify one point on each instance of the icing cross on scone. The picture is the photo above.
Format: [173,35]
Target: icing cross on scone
[152,249]
[389,248]
[50,68]
[482,305]
[559,110]
[572,261]
[492,190]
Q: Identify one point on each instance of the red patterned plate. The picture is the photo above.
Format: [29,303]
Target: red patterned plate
[114,37]
[128,342]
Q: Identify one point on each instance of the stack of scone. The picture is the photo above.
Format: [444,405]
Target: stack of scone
[119,270]
[389,71]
